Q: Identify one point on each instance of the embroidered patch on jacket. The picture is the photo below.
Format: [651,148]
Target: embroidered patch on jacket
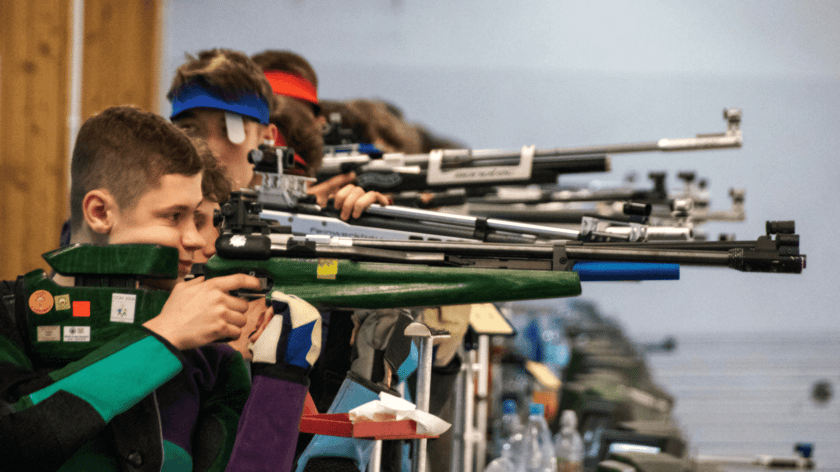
[62,302]
[77,334]
[122,307]
[81,309]
[49,333]
[41,301]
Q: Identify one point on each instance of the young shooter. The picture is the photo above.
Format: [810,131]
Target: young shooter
[224,97]
[161,394]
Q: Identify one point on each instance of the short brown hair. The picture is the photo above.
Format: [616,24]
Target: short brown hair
[215,183]
[377,122]
[224,72]
[126,151]
[296,122]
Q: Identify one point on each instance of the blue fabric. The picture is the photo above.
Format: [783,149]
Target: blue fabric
[248,104]
[366,148]
[350,395]
[410,364]
[591,271]
[300,343]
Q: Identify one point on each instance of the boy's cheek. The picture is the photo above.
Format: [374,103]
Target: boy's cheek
[152,234]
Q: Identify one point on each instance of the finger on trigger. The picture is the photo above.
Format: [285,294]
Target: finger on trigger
[235,282]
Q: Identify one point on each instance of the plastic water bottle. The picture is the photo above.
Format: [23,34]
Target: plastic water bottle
[509,431]
[568,445]
[537,452]
[501,464]
[556,349]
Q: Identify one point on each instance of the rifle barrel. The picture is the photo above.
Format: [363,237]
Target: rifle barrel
[414,214]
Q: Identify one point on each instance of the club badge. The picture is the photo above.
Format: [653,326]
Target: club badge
[40,302]
[62,302]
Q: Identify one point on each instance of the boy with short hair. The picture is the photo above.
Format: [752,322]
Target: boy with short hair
[223,96]
[156,394]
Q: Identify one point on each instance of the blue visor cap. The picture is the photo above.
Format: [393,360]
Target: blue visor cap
[248,104]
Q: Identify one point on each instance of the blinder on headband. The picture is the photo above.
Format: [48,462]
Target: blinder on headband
[235,127]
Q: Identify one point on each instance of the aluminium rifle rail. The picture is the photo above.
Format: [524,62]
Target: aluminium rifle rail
[397,172]
[252,237]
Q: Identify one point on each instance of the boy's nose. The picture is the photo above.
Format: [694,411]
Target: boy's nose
[191,239]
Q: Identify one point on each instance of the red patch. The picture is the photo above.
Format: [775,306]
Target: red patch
[81,309]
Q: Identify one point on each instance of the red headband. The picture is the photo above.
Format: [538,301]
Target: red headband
[291,85]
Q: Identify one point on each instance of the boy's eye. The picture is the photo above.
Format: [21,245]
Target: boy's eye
[190,126]
[200,220]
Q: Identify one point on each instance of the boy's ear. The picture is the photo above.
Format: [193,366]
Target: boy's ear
[272,133]
[99,209]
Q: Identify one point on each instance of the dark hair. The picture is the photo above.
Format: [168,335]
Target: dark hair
[303,133]
[224,72]
[126,151]
[377,122]
[431,141]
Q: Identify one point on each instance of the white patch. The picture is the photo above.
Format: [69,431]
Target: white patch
[122,307]
[49,333]
[238,240]
[235,127]
[77,334]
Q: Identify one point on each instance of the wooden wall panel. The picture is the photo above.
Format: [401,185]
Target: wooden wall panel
[121,49]
[34,45]
[122,54]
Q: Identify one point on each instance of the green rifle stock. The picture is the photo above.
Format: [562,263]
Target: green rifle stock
[107,298]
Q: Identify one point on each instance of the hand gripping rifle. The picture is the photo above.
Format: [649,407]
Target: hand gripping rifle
[765,254]
[67,323]
[254,243]
[283,198]
[464,168]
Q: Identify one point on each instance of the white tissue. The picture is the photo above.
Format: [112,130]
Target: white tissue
[427,423]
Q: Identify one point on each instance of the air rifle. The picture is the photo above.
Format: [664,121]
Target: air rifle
[394,222]
[564,206]
[283,198]
[765,254]
[258,242]
[397,172]
[676,213]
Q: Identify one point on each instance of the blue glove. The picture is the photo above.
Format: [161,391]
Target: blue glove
[292,336]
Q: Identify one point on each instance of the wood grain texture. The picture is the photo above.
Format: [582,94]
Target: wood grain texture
[122,54]
[120,66]
[34,51]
